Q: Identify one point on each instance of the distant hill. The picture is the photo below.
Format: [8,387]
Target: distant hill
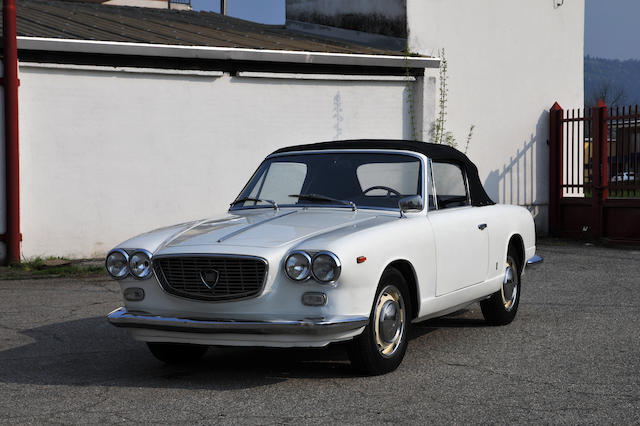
[617,81]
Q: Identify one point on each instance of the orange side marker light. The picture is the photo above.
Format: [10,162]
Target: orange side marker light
[361,259]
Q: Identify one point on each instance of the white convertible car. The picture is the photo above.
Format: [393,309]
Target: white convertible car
[347,241]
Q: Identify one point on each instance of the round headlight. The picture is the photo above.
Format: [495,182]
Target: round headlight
[117,264]
[140,264]
[298,265]
[326,267]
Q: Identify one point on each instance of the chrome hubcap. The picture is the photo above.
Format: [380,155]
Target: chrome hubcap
[510,285]
[389,320]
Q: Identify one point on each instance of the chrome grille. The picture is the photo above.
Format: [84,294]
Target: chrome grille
[238,276]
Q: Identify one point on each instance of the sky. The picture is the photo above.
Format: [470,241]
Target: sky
[611,29]
[264,11]
[611,26]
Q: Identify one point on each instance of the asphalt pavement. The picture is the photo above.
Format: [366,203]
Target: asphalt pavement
[571,356]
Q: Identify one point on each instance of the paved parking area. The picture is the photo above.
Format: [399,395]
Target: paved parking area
[571,356]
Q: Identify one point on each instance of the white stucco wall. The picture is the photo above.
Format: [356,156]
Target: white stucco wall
[508,61]
[108,155]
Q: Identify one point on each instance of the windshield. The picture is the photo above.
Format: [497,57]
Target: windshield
[333,179]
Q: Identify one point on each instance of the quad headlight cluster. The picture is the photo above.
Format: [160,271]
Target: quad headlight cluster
[119,264]
[323,266]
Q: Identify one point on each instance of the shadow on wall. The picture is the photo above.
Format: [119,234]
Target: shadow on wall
[337,115]
[524,179]
[407,111]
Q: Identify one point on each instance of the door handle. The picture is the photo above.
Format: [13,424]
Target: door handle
[482,226]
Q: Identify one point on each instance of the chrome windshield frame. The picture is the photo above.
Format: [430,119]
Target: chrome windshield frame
[423,162]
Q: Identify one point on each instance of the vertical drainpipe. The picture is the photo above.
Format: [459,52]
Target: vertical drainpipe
[12,237]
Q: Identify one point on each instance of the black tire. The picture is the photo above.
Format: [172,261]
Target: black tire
[177,353]
[502,306]
[381,348]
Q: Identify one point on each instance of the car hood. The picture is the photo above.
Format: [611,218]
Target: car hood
[265,229]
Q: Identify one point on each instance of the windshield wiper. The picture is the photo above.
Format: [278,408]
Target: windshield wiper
[257,200]
[318,197]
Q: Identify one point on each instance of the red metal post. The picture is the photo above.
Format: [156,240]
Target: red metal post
[555,167]
[599,166]
[604,150]
[13,236]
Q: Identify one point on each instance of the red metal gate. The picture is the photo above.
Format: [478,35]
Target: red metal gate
[593,173]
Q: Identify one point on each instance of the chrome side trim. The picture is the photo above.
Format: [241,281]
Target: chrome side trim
[432,188]
[122,317]
[253,225]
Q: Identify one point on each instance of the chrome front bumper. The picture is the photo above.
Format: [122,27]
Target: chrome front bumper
[121,317]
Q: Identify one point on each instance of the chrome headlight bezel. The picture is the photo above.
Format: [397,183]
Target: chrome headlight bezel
[337,267]
[308,260]
[126,270]
[147,271]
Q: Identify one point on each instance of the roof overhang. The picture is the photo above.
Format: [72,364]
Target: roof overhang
[222,53]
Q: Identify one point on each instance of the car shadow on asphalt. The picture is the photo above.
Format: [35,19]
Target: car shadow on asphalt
[91,352]
[463,318]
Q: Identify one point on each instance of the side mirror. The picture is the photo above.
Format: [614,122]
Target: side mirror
[413,202]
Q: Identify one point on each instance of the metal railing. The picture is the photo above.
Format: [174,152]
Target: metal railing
[600,149]
[623,156]
[594,172]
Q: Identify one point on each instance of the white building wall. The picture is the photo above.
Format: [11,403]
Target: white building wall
[108,155]
[508,62]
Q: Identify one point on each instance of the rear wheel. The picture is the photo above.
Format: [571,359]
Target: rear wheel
[177,353]
[383,343]
[502,306]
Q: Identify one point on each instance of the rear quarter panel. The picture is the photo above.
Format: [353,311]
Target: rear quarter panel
[504,222]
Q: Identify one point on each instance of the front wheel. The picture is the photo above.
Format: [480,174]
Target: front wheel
[502,306]
[177,353]
[383,343]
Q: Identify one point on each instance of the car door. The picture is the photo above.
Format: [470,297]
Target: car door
[460,231]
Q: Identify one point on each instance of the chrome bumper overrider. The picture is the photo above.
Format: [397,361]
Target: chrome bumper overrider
[121,317]
[534,261]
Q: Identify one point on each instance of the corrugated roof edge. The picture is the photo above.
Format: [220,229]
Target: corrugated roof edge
[223,53]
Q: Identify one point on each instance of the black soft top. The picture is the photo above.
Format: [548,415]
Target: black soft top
[436,152]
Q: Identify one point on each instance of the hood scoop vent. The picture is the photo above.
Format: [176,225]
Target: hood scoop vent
[253,225]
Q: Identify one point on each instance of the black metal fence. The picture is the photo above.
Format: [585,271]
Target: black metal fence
[623,152]
[620,145]
[594,172]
